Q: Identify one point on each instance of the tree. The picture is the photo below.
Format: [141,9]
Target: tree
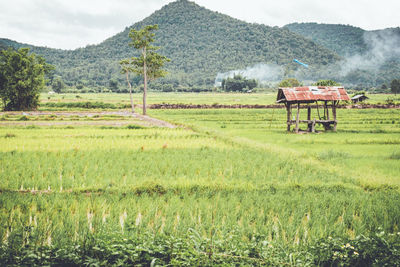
[58,85]
[113,85]
[149,64]
[291,82]
[22,77]
[126,69]
[238,83]
[326,83]
[395,86]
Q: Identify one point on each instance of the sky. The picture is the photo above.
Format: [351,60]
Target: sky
[70,24]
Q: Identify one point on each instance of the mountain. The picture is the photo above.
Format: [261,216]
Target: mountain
[203,44]
[343,39]
[370,58]
[199,42]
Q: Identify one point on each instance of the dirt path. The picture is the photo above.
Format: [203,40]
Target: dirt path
[143,120]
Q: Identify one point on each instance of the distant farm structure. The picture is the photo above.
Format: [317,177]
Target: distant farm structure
[308,97]
[359,98]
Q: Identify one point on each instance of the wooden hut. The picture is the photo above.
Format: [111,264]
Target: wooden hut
[309,97]
[359,98]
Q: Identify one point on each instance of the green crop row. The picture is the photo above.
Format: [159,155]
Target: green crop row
[259,227]
[231,188]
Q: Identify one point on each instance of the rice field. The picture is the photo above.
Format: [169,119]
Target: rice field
[265,98]
[229,187]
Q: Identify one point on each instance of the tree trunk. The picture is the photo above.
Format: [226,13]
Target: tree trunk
[130,91]
[144,80]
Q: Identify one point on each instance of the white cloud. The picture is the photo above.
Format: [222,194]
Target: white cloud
[76,23]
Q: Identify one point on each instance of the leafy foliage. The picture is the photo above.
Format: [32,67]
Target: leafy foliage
[378,249]
[199,42]
[238,84]
[290,82]
[375,53]
[326,83]
[58,85]
[343,39]
[395,86]
[149,64]
[194,250]
[22,77]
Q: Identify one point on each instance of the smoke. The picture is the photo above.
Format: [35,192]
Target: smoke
[382,46]
[262,72]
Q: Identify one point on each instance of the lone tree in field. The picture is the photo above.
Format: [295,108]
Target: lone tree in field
[126,69]
[22,77]
[149,64]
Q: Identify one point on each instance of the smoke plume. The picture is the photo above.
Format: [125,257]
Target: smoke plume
[263,73]
[382,46]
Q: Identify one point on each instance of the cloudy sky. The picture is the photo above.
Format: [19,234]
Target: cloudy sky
[70,24]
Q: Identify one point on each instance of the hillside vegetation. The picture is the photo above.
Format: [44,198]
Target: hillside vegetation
[342,39]
[199,42]
[370,58]
[202,43]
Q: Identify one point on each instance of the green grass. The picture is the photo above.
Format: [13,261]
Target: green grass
[186,98]
[231,187]
[362,148]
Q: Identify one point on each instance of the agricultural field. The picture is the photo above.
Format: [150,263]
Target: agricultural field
[186,98]
[225,187]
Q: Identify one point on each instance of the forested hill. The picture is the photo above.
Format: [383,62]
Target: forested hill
[200,43]
[370,58]
[345,40]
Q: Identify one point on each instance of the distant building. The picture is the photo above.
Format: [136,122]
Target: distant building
[359,98]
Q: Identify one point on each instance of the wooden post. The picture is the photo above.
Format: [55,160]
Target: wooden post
[334,115]
[288,109]
[298,117]
[309,118]
[327,110]
[313,126]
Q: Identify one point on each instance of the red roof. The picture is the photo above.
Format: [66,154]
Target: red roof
[311,94]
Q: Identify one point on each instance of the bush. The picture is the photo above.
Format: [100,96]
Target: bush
[379,249]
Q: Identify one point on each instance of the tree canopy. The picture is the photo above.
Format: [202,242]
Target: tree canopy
[238,83]
[290,82]
[326,83]
[149,64]
[22,77]
[395,86]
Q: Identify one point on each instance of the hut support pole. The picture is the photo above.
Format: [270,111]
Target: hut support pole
[313,126]
[288,110]
[309,118]
[334,115]
[297,117]
[327,110]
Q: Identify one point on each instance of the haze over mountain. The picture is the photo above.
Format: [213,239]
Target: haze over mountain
[369,57]
[202,43]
